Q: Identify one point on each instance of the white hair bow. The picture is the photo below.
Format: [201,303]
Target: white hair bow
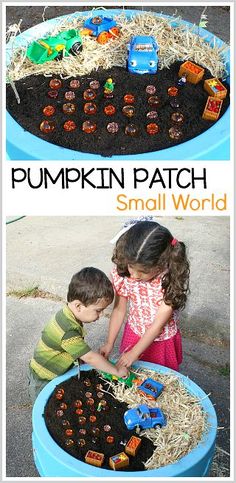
[128,224]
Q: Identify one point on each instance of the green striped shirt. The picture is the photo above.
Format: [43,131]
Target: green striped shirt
[61,343]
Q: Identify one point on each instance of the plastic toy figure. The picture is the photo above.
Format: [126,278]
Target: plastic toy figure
[50,48]
[144,417]
[151,388]
[103,28]
[143,55]
[182,81]
[109,86]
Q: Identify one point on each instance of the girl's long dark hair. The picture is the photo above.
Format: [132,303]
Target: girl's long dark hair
[149,244]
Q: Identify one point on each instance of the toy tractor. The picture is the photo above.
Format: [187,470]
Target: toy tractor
[50,48]
[129,381]
[103,28]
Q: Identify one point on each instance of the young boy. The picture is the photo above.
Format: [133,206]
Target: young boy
[62,339]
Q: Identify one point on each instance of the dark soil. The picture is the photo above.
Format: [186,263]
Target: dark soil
[33,94]
[113,417]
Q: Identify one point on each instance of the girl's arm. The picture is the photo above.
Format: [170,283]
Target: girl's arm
[116,321]
[163,315]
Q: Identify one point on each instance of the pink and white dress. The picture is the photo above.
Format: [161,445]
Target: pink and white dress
[144,299]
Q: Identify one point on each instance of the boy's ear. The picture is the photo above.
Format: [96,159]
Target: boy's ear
[77,304]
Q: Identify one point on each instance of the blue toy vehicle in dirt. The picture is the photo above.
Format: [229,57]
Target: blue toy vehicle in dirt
[142,55]
[144,417]
[103,28]
[150,388]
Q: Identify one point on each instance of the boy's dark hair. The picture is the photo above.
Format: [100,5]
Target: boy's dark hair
[89,285]
[149,244]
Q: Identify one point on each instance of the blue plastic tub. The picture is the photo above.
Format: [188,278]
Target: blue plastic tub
[213,144]
[53,461]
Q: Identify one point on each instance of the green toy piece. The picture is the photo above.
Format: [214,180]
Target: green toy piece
[129,381]
[50,48]
[109,86]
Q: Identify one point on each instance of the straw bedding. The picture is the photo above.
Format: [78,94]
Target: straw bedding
[176,43]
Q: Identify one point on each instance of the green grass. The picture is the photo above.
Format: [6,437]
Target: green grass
[224,370]
[34,292]
[26,292]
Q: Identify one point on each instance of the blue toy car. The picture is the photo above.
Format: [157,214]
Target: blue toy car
[150,388]
[142,55]
[144,417]
[103,28]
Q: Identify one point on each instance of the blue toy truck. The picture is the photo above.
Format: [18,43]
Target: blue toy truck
[144,417]
[142,55]
[103,28]
[150,388]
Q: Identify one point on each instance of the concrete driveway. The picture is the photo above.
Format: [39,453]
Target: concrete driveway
[46,251]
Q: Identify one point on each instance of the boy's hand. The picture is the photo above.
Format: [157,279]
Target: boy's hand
[122,372]
[106,349]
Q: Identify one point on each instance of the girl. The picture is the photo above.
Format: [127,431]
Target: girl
[152,274]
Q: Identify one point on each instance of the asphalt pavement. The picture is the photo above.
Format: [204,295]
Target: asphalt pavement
[44,252]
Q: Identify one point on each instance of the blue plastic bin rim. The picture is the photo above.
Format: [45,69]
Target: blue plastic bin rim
[199,147]
[208,440]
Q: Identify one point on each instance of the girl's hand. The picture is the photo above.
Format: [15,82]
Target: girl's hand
[126,359]
[106,349]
